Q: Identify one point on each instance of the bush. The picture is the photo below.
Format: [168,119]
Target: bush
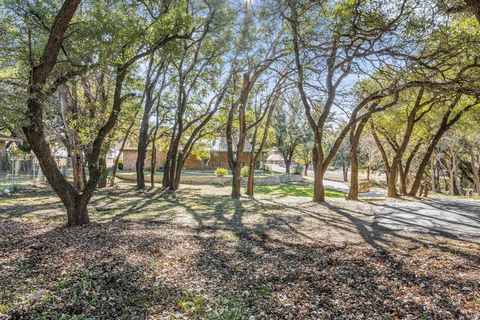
[299,169]
[244,172]
[220,172]
[120,164]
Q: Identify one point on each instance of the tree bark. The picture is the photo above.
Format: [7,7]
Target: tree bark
[143,134]
[78,165]
[345,172]
[318,187]
[34,129]
[305,169]
[102,163]
[236,182]
[355,134]
[287,166]
[403,179]
[251,178]
[474,158]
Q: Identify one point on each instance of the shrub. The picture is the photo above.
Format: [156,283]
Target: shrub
[220,172]
[120,164]
[299,169]
[244,172]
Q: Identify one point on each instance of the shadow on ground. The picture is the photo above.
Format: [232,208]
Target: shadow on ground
[198,254]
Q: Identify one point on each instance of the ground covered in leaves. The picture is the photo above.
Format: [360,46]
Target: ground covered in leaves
[198,254]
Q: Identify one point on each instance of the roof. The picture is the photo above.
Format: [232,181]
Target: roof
[220,145]
[7,138]
[275,157]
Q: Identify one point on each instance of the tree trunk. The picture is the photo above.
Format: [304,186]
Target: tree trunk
[318,188]
[236,181]
[345,173]
[421,168]
[444,127]
[403,179]
[77,212]
[78,170]
[143,134]
[435,177]
[122,146]
[287,165]
[368,173]
[353,191]
[102,162]
[392,180]
[153,164]
[475,167]
[178,171]
[305,170]
[318,173]
[355,134]
[250,181]
[142,153]
[452,173]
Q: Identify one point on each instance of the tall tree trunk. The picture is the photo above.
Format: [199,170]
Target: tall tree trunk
[345,172]
[174,161]
[78,165]
[102,163]
[153,159]
[287,166]
[305,169]
[144,125]
[122,146]
[318,187]
[475,167]
[353,191]
[236,181]
[392,179]
[168,161]
[251,178]
[355,134]
[403,179]
[34,129]
[452,173]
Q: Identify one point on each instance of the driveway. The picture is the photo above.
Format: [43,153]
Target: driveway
[441,216]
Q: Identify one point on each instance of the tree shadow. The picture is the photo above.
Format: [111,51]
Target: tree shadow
[207,256]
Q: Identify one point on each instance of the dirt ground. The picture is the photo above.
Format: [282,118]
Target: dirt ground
[198,254]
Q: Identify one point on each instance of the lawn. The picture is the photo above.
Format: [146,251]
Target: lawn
[198,254]
[296,189]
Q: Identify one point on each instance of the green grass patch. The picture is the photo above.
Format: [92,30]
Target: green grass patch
[296,190]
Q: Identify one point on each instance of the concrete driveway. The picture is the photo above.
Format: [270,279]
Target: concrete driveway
[441,216]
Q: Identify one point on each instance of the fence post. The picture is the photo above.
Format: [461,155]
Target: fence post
[13,174]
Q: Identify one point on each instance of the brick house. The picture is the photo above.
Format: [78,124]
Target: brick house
[217,158]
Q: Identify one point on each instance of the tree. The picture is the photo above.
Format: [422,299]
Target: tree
[338,39]
[198,69]
[289,128]
[154,71]
[45,76]
[257,53]
[261,125]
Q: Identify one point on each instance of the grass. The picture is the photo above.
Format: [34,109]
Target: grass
[295,189]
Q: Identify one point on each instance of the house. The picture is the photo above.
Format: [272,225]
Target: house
[217,157]
[276,159]
[4,140]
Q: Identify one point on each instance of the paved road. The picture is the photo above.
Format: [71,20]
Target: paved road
[441,216]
